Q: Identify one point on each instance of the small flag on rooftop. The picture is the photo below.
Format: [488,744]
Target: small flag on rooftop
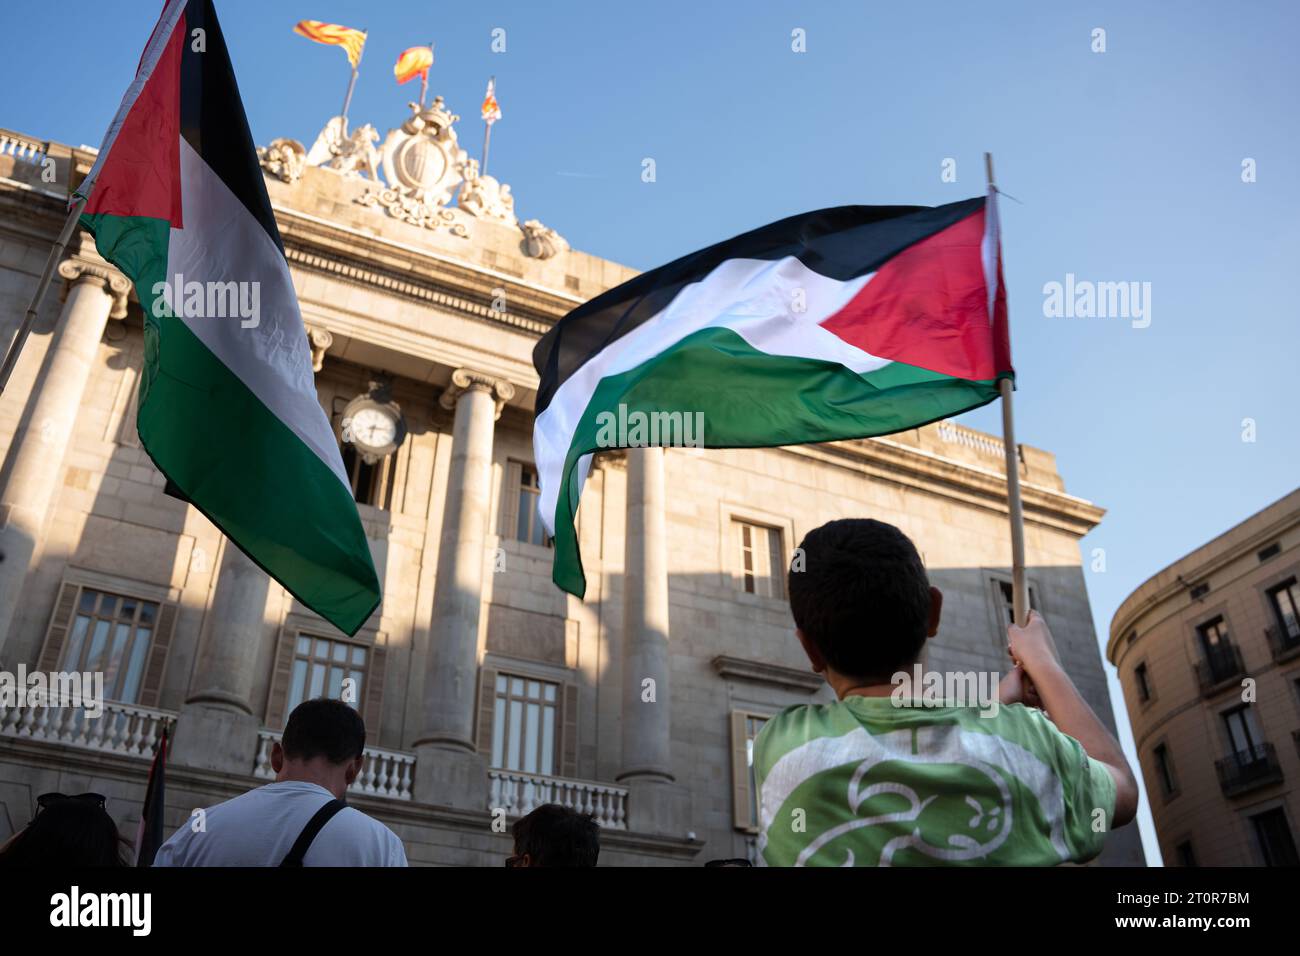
[351,40]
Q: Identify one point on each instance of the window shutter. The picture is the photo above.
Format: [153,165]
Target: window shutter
[156,668]
[739,774]
[278,696]
[509,529]
[57,634]
[487,692]
[569,731]
[371,710]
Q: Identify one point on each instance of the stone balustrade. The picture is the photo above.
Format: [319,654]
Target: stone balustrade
[521,793]
[120,729]
[384,773]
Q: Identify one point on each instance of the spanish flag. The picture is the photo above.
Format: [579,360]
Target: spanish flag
[351,40]
[412,63]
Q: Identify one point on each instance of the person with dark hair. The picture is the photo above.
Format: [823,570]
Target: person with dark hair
[66,831]
[553,835]
[302,818]
[901,773]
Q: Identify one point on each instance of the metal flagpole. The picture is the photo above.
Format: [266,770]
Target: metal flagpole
[487,134]
[1019,586]
[347,100]
[424,78]
[56,253]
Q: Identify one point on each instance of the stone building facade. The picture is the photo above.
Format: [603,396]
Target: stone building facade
[1208,653]
[484,687]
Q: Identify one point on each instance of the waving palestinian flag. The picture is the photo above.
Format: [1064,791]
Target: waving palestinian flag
[842,323]
[227,407]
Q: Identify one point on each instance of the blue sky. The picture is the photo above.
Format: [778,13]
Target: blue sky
[1127,166]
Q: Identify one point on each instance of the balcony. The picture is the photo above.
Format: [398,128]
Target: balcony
[1284,641]
[521,793]
[384,773]
[1248,770]
[121,729]
[1219,668]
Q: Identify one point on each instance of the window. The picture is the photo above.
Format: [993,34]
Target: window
[1285,599]
[1184,853]
[1214,637]
[1005,594]
[744,794]
[1272,551]
[762,562]
[112,634]
[529,525]
[372,483]
[1143,682]
[1165,770]
[524,724]
[320,665]
[1275,841]
[1243,732]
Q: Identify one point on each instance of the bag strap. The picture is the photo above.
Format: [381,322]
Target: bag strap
[309,832]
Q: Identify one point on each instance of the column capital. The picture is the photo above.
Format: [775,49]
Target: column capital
[114,284]
[468,380]
[319,339]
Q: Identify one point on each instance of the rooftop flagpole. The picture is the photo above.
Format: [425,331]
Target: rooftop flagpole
[1019,586]
[347,100]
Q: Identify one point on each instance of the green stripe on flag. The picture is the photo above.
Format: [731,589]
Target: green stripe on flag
[753,399]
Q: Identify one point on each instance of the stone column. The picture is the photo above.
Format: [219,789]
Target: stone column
[655,803]
[449,771]
[217,727]
[94,294]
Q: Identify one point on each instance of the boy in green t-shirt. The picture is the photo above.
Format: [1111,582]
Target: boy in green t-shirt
[878,780]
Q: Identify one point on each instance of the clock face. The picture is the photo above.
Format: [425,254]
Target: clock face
[374,428]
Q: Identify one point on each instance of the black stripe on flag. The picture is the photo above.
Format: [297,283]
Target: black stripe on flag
[842,242]
[212,115]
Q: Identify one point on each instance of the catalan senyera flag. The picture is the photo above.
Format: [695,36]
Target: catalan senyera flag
[491,108]
[847,322]
[351,40]
[227,407]
[412,63]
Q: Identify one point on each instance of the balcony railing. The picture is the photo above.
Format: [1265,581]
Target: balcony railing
[521,793]
[1219,667]
[384,773]
[1285,642]
[121,729]
[1247,769]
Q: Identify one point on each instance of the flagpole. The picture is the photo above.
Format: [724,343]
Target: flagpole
[424,79]
[347,100]
[52,261]
[1019,586]
[487,134]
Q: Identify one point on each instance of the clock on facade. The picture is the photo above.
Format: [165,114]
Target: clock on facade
[373,427]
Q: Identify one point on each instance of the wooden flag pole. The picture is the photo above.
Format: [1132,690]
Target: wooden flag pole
[56,253]
[1019,586]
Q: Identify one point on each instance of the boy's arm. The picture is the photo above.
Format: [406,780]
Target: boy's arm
[1032,646]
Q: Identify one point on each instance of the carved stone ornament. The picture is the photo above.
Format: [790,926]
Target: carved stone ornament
[284,158]
[352,155]
[485,197]
[542,242]
[319,340]
[423,164]
[115,285]
[465,380]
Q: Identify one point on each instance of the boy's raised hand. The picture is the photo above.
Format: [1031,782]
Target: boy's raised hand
[1032,646]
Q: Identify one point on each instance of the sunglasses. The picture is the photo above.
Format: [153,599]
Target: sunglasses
[47,800]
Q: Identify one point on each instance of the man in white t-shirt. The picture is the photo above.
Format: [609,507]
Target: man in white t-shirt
[299,820]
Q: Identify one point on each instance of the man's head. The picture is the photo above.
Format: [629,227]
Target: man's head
[322,743]
[553,835]
[861,600]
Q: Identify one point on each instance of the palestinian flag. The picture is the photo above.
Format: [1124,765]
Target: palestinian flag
[227,405]
[842,323]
